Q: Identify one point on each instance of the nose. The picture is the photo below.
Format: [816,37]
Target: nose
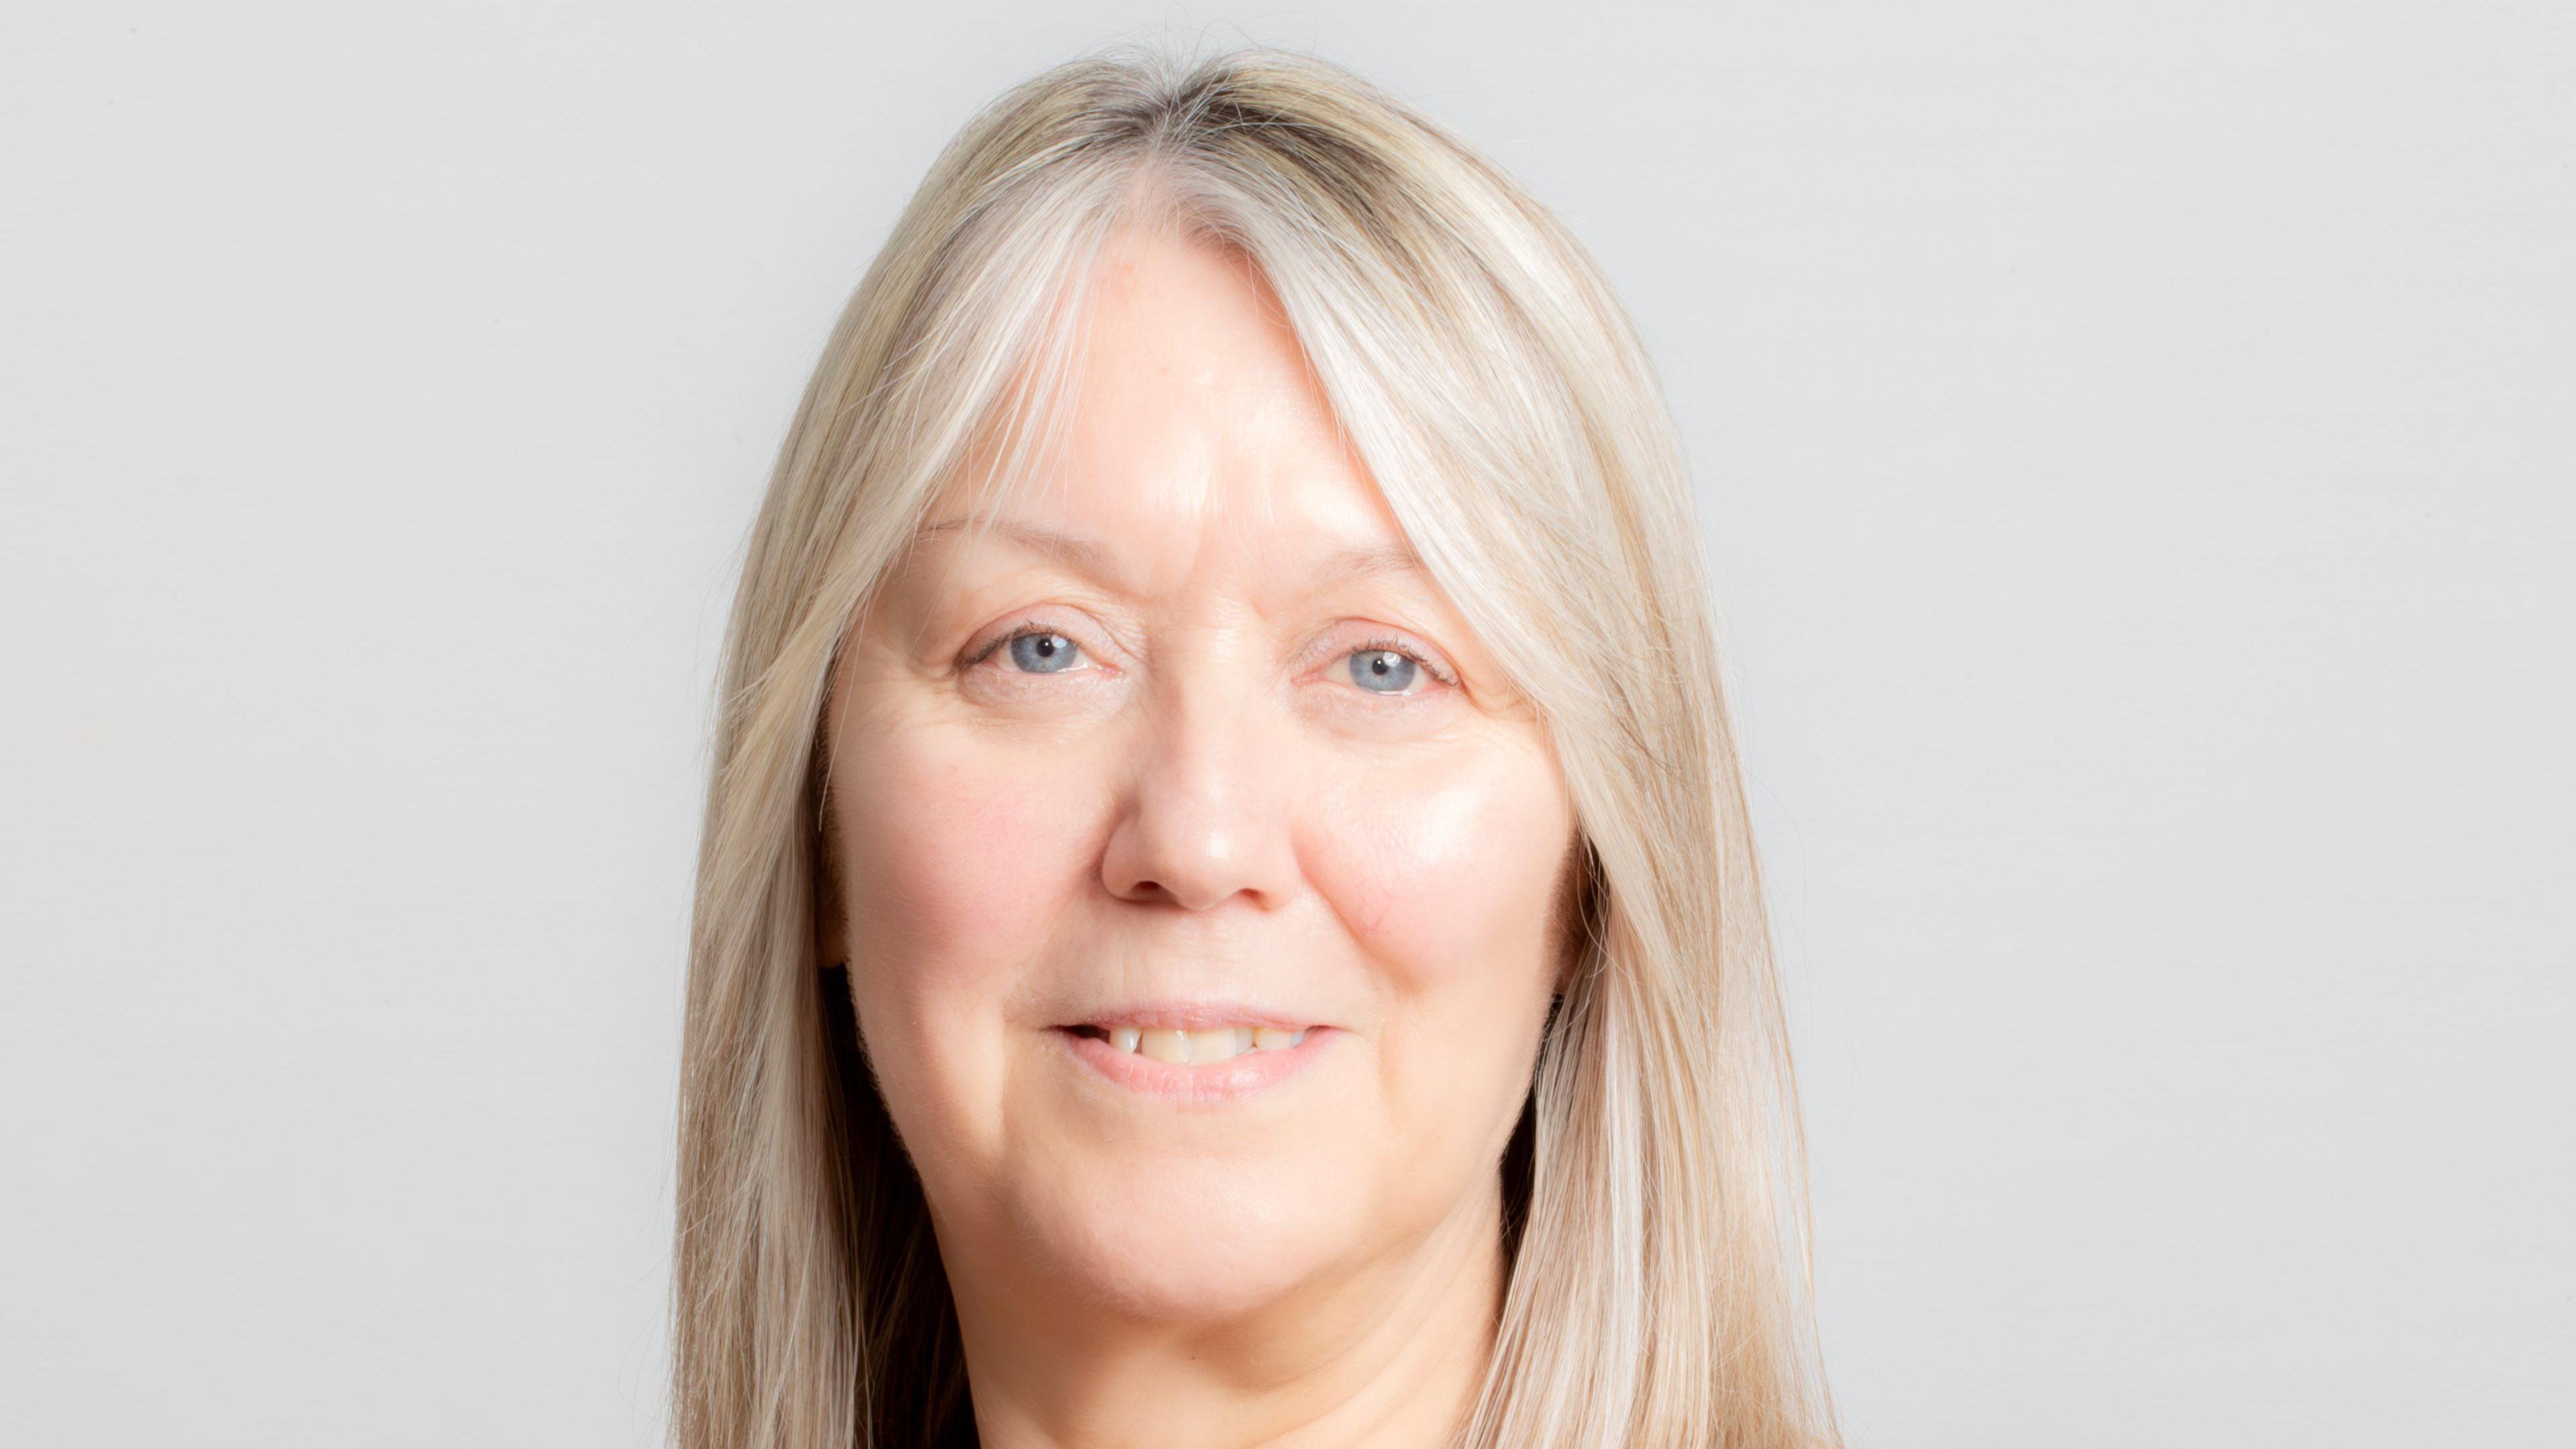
[1205,815]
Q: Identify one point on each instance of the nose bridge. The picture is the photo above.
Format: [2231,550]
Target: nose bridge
[1206,814]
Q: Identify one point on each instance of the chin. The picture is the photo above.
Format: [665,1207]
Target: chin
[1208,1240]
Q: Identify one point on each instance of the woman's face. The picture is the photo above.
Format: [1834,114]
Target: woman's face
[1197,869]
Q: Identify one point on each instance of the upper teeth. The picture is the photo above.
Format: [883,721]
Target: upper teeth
[1197,1048]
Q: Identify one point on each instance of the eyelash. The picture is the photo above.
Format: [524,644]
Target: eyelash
[1028,628]
[1396,646]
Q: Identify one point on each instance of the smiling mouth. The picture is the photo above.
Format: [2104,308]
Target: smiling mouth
[1193,1048]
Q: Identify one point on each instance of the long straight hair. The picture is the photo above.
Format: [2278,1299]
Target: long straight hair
[1477,361]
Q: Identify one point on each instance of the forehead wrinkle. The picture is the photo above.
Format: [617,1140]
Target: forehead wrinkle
[1098,563]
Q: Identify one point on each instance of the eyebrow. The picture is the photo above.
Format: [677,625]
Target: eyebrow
[1093,560]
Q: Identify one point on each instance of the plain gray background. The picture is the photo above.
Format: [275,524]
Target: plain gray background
[2138,444]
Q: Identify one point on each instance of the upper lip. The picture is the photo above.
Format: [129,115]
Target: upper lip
[1191,1016]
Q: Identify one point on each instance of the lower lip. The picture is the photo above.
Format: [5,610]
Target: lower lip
[1212,1085]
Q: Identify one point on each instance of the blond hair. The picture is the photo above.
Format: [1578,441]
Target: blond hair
[1655,1202]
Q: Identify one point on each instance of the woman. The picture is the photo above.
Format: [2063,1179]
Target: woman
[1226,913]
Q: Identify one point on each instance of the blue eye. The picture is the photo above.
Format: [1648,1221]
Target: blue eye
[1383,671]
[1381,667]
[1042,652]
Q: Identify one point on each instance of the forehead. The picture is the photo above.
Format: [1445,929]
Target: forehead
[1194,426]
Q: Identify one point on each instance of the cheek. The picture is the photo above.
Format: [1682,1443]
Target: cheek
[954,868]
[1443,874]
[941,860]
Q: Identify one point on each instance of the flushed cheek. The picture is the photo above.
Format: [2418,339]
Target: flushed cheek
[1444,878]
[957,858]
[1443,873]
[956,865]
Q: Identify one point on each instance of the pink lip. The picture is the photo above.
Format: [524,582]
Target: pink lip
[1213,1085]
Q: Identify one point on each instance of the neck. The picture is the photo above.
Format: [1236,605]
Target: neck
[1389,1355]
